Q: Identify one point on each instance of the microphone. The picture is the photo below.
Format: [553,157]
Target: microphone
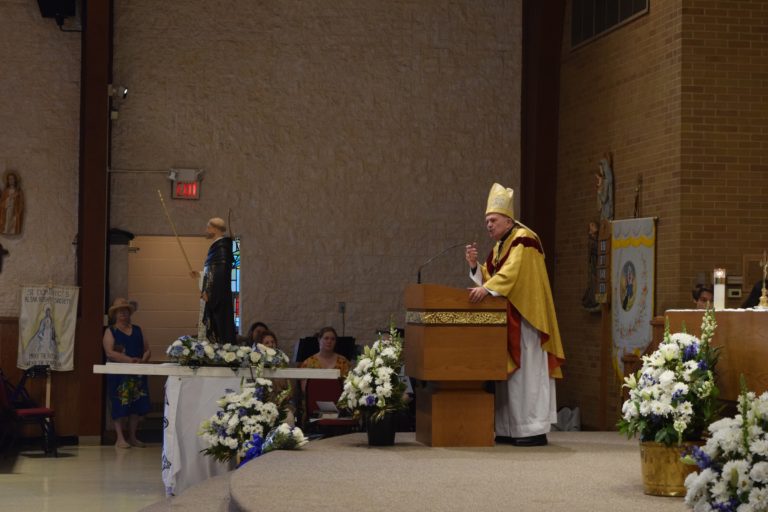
[418,274]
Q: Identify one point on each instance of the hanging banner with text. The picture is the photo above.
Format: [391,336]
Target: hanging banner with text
[633,248]
[47,327]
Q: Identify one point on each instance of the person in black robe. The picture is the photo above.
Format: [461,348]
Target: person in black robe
[753,299]
[218,314]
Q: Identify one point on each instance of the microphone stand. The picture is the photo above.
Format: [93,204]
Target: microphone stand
[418,274]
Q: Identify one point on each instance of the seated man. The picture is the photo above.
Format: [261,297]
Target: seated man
[702,296]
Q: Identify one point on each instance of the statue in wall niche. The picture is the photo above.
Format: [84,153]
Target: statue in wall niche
[605,187]
[11,205]
[597,248]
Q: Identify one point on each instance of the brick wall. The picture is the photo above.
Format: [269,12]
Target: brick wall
[352,140]
[619,93]
[679,97]
[724,135]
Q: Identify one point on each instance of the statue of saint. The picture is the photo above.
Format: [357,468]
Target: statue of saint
[605,188]
[218,316]
[11,205]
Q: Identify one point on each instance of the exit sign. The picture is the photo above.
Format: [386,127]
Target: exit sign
[186,190]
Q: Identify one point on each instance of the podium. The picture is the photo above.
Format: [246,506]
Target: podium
[454,346]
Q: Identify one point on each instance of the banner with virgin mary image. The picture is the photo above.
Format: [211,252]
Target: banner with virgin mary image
[47,327]
[633,256]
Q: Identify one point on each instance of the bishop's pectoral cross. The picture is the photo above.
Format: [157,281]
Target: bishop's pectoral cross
[3,254]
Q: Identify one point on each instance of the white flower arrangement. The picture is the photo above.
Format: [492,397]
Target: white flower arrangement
[673,397]
[284,437]
[254,410]
[188,351]
[373,387]
[733,463]
[269,357]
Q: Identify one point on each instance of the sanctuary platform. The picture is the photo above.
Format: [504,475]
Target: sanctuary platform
[577,471]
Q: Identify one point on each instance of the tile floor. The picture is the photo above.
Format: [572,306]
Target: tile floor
[82,479]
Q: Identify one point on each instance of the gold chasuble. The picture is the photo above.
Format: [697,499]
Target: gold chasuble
[515,269]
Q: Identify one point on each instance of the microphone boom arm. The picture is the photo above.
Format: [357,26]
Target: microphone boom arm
[418,274]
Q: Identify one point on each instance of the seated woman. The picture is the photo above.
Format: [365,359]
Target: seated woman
[702,296]
[269,339]
[326,357]
[254,332]
[266,338]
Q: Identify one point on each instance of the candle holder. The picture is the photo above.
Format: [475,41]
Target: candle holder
[763,304]
[718,279]
[763,299]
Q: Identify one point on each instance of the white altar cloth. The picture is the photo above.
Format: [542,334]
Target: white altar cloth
[188,402]
[190,399]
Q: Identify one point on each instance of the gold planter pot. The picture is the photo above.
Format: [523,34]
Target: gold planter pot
[663,471]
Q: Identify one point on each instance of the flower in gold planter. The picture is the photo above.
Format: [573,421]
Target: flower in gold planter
[673,397]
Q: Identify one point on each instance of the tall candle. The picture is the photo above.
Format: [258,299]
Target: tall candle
[719,281]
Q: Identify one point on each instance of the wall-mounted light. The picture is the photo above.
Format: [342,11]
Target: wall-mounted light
[185,183]
[119,91]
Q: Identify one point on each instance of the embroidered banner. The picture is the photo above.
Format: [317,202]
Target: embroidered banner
[633,247]
[47,327]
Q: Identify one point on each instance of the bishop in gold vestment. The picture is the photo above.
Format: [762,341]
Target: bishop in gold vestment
[515,269]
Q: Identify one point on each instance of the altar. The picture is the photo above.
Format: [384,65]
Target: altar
[190,398]
[742,335]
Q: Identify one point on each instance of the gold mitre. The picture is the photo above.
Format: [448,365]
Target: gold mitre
[500,201]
